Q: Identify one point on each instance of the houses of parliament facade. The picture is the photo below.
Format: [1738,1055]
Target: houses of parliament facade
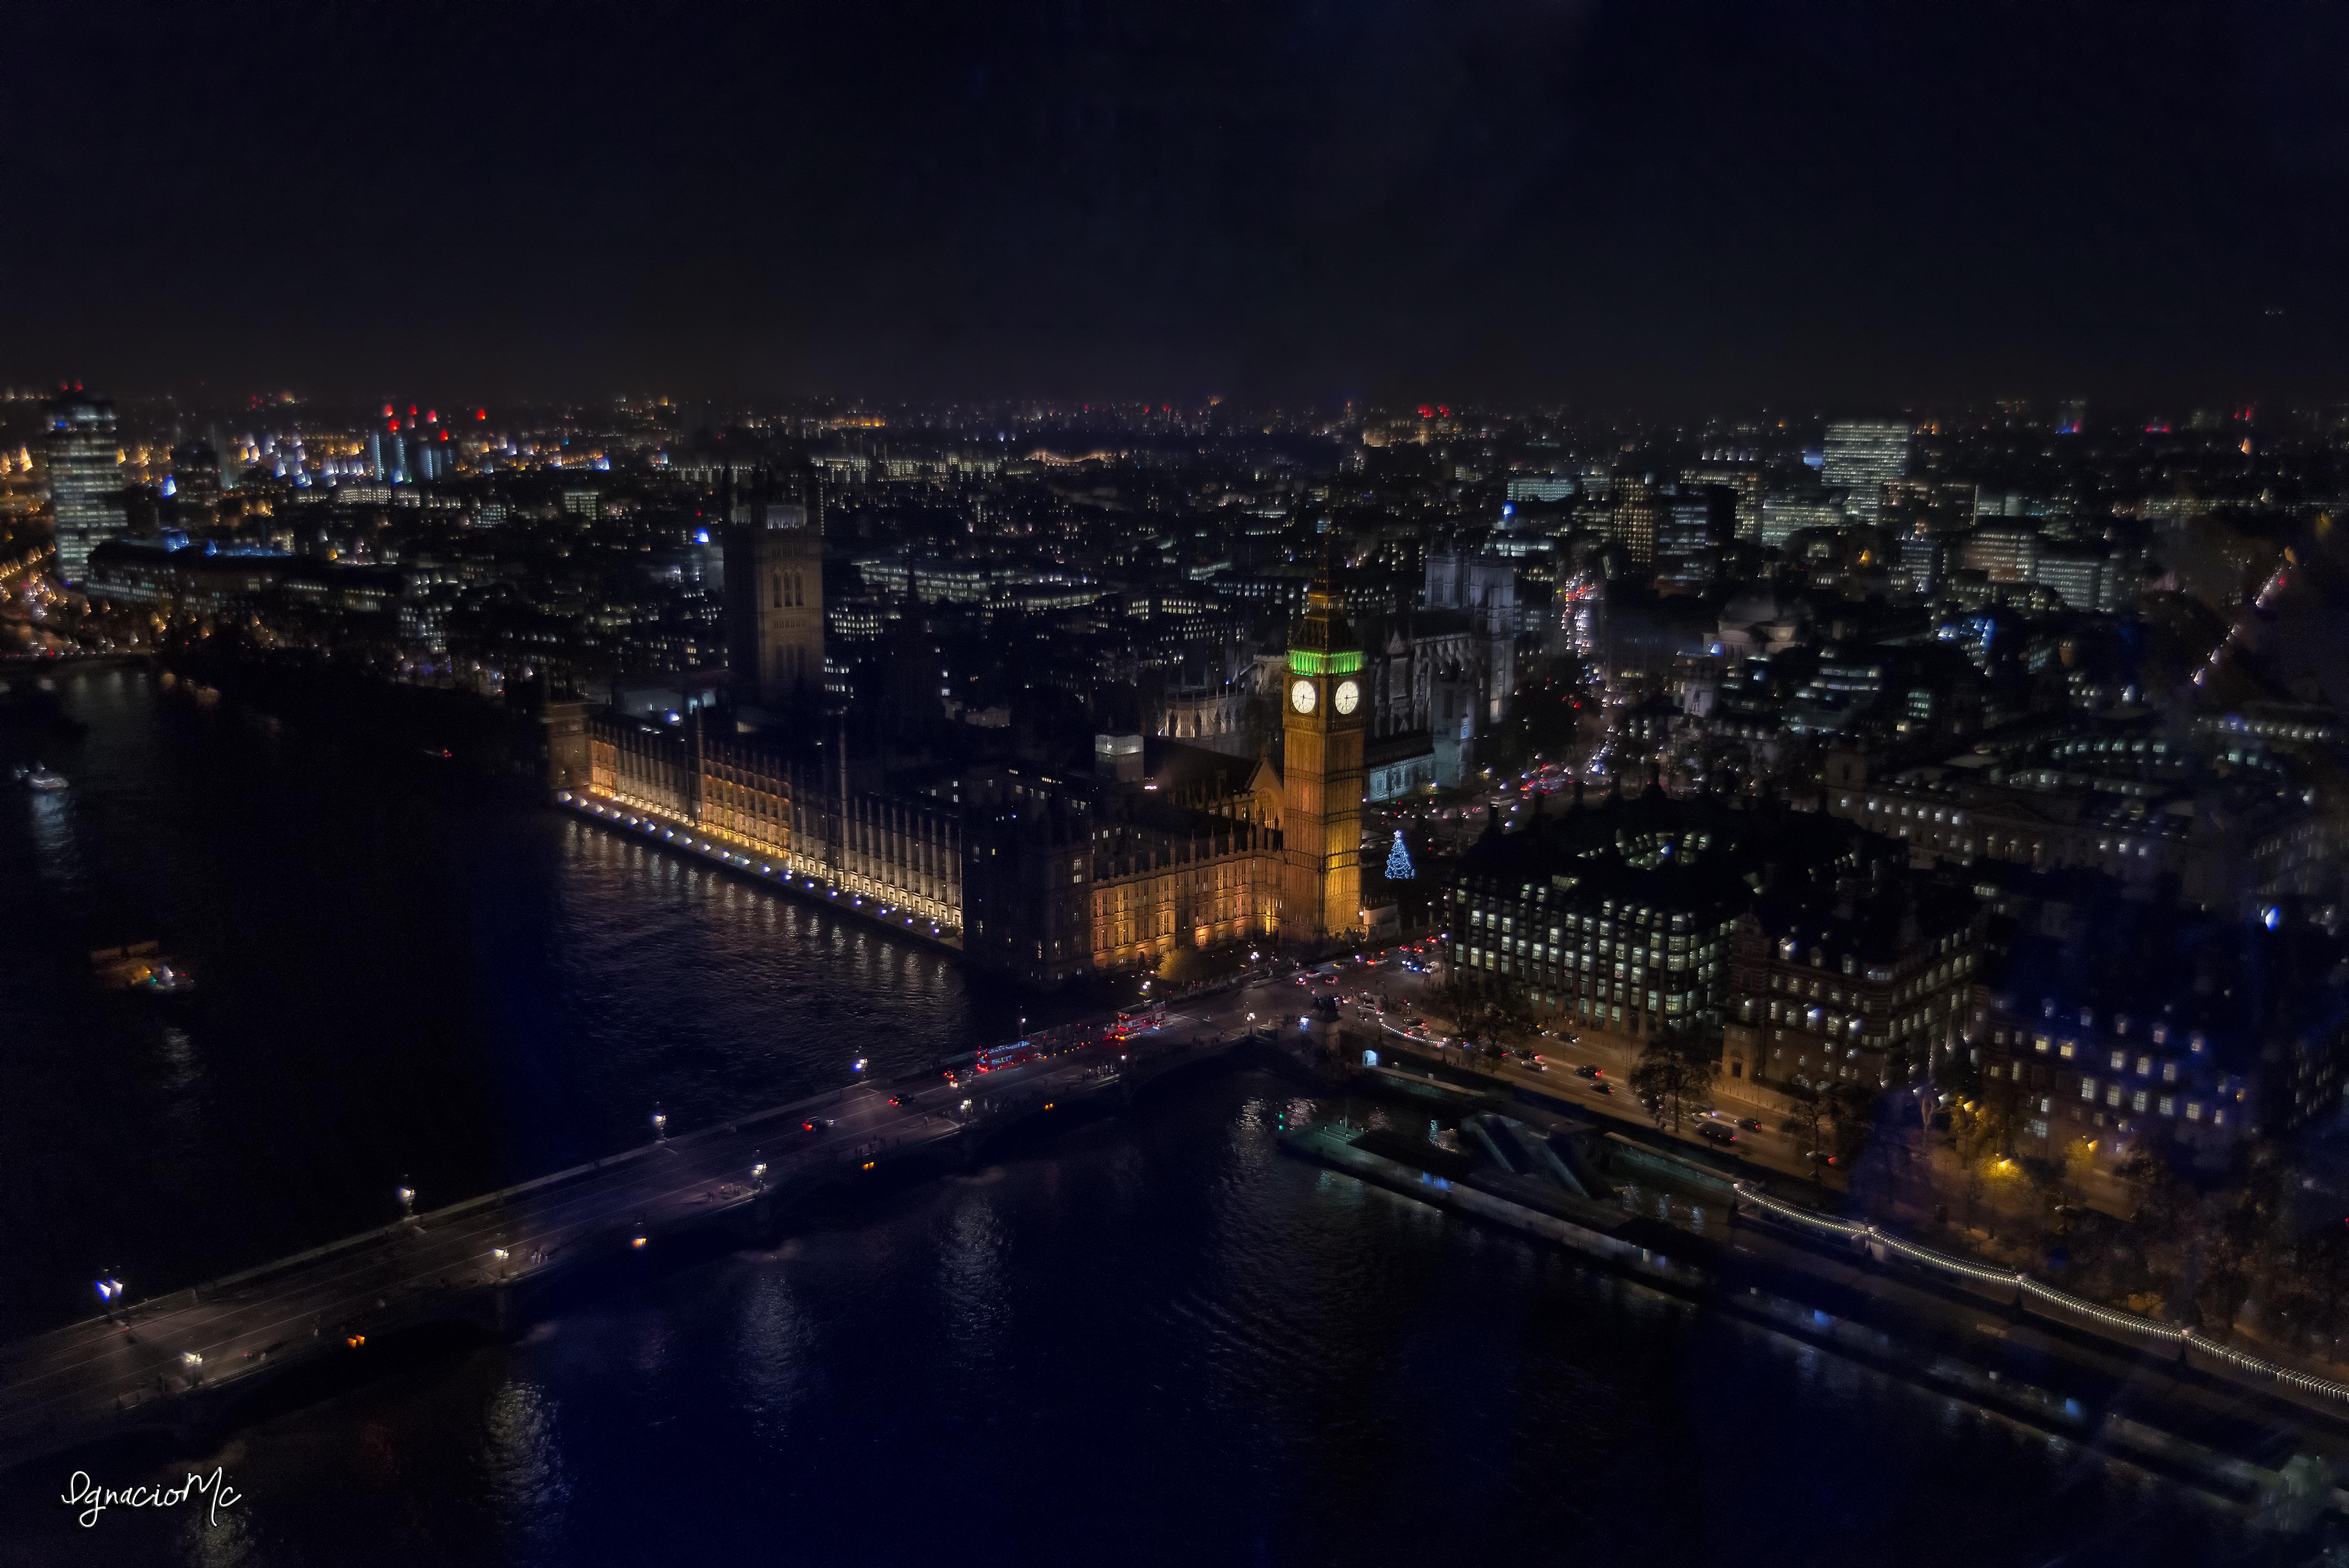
[1048,873]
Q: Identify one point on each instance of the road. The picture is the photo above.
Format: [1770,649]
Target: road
[1910,1172]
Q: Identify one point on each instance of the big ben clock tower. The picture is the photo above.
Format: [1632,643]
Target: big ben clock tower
[1321,771]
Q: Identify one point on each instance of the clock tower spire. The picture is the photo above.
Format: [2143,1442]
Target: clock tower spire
[1321,769]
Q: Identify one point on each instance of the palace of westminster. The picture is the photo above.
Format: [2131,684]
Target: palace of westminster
[1047,874]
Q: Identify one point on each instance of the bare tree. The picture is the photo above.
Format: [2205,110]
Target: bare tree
[1675,1074]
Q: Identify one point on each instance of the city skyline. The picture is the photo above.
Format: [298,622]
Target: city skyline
[1123,781]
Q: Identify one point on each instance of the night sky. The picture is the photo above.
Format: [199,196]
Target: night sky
[1684,205]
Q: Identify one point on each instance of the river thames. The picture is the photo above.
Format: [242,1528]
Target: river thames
[1151,1340]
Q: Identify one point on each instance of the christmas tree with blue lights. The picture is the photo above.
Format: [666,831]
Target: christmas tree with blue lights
[1399,866]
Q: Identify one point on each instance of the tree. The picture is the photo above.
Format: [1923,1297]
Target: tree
[1182,967]
[2238,1231]
[2306,1290]
[1483,1008]
[1978,1138]
[2167,1222]
[1808,1115]
[1399,866]
[1851,1113]
[1675,1074]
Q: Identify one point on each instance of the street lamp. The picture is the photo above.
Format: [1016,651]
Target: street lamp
[661,1124]
[407,1196]
[759,1175]
[500,1254]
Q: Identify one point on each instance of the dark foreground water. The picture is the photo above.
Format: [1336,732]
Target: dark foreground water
[1155,1340]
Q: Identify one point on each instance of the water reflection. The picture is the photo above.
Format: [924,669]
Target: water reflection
[774,1358]
[56,852]
[525,1486]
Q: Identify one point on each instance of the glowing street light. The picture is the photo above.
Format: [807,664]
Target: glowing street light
[661,1124]
[759,1175]
[407,1196]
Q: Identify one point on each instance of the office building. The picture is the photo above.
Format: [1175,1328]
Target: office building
[84,479]
[1696,526]
[1783,515]
[1635,516]
[1743,480]
[1861,457]
[2004,553]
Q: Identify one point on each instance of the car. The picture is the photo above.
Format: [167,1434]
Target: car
[1718,1132]
[1590,1070]
[1750,1123]
[1603,1087]
[816,1124]
[1824,1158]
[902,1100]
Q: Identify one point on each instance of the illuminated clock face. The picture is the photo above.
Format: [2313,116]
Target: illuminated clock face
[1300,697]
[1347,695]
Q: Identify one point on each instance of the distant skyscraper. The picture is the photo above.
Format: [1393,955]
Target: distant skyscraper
[1861,455]
[1783,515]
[195,485]
[1542,487]
[1695,528]
[1635,510]
[85,479]
[1744,479]
[2004,552]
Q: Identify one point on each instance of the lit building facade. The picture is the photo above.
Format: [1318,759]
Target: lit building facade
[1861,457]
[2217,814]
[85,457]
[1324,715]
[2154,1021]
[1856,984]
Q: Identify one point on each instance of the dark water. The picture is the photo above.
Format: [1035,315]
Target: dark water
[1155,1340]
